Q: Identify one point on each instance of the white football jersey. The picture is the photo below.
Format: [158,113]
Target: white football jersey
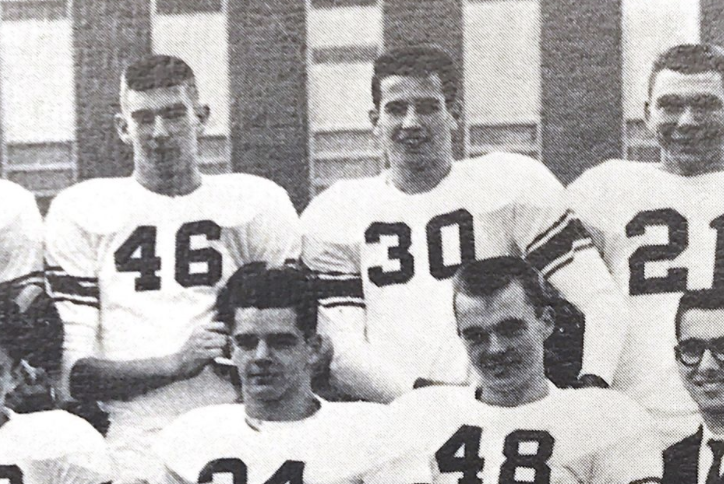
[21,236]
[53,447]
[333,446]
[593,436]
[659,234]
[395,254]
[134,272]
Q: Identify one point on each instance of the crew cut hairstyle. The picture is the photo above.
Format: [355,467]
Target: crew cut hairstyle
[416,61]
[157,71]
[256,286]
[487,277]
[707,299]
[689,59]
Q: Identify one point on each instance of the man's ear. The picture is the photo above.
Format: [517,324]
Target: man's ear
[122,128]
[455,115]
[548,318]
[202,113]
[374,115]
[647,112]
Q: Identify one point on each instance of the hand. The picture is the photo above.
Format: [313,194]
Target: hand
[205,343]
[591,381]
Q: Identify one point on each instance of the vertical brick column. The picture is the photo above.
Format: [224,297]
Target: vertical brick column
[581,90]
[268,70]
[107,36]
[712,21]
[439,22]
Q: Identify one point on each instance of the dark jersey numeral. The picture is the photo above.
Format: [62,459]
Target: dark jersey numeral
[399,252]
[11,475]
[461,454]
[185,255]
[515,459]
[467,439]
[675,279]
[146,263]
[464,221]
[433,231]
[677,227]
[291,472]
[138,254]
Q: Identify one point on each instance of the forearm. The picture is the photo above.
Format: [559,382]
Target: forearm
[99,379]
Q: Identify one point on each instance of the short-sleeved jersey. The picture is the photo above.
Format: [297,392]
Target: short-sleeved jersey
[53,447]
[333,446]
[587,436]
[660,234]
[21,236]
[133,272]
[395,253]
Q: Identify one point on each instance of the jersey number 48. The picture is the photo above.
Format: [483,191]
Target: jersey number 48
[461,453]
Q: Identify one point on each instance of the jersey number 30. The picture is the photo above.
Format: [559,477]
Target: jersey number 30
[138,254]
[461,453]
[291,472]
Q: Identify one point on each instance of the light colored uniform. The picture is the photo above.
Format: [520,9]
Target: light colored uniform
[21,236]
[52,447]
[134,272]
[659,234]
[389,257]
[333,446]
[590,436]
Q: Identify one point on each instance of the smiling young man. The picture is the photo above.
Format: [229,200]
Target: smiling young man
[282,433]
[389,245]
[136,263]
[660,227]
[48,447]
[699,329]
[516,426]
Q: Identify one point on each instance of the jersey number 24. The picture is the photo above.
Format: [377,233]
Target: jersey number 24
[291,472]
[138,254]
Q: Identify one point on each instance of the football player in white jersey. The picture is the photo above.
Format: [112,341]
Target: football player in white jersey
[50,447]
[136,263]
[282,433]
[516,427]
[660,226]
[389,245]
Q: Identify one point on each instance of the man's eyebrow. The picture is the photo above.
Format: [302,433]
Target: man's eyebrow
[159,110]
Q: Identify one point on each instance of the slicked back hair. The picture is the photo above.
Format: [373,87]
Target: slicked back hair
[416,61]
[158,71]
[487,277]
[255,286]
[706,299]
[689,59]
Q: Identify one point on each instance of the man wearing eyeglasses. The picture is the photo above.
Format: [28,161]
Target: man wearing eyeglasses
[697,459]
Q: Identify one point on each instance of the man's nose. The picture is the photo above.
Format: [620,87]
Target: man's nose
[411,119]
[496,345]
[262,351]
[160,130]
[708,362]
[688,117]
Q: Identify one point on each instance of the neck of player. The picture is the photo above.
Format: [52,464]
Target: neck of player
[714,422]
[713,162]
[420,179]
[181,180]
[296,404]
[525,392]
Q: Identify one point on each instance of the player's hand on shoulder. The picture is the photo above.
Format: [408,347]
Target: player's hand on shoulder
[205,343]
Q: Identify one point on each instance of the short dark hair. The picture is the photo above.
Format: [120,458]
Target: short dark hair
[157,71]
[689,59]
[255,286]
[707,299]
[34,336]
[487,277]
[416,61]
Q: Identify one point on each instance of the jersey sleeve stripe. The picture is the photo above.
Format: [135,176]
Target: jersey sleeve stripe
[80,287]
[339,289]
[75,300]
[559,247]
[554,228]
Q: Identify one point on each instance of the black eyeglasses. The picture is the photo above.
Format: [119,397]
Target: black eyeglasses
[691,351]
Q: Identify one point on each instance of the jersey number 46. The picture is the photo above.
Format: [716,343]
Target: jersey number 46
[461,453]
[11,475]
[138,254]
